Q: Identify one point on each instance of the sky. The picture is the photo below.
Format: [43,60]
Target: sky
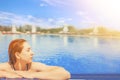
[56,13]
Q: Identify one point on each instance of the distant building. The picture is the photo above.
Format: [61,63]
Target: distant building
[95,31]
[13,29]
[65,29]
[33,29]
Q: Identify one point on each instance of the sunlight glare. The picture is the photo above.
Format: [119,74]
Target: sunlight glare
[107,11]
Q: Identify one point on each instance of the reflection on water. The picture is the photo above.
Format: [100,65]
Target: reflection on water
[95,42]
[65,40]
[14,37]
[33,36]
[79,55]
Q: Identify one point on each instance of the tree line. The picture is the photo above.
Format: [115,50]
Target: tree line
[71,30]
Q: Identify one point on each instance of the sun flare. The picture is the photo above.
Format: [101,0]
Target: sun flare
[104,11]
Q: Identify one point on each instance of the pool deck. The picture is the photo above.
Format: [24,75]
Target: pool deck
[82,77]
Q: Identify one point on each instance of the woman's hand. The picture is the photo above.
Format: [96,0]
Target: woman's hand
[7,74]
[25,74]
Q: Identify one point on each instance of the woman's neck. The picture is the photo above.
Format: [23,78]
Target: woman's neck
[21,66]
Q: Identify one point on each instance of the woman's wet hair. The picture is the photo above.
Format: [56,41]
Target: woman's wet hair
[15,46]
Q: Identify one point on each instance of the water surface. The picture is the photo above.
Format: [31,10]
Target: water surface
[79,55]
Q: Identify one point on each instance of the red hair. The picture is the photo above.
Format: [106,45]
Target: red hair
[15,46]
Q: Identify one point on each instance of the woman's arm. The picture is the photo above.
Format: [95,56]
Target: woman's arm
[53,73]
[43,71]
[7,74]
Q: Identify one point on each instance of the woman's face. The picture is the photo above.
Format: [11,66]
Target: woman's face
[26,53]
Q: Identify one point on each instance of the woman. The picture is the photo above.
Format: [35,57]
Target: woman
[20,64]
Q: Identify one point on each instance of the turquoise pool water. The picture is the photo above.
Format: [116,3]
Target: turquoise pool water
[79,55]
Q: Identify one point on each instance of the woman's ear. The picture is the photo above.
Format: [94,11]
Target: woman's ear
[17,55]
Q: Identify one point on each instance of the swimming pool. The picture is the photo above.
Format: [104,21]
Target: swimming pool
[79,55]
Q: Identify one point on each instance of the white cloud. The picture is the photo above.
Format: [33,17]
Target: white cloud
[50,20]
[80,13]
[43,5]
[19,19]
[58,21]
[85,18]
[55,2]
[61,21]
[10,18]
[70,3]
[29,16]
[69,19]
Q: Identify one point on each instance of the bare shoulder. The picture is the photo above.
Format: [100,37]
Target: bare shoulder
[38,65]
[42,67]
